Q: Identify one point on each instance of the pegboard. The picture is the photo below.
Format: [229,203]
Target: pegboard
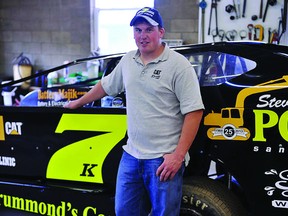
[230,18]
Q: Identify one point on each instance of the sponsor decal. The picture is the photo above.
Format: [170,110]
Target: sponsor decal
[281,185]
[269,102]
[43,208]
[229,122]
[7,161]
[58,97]
[91,152]
[13,128]
[274,120]
[9,128]
[2,133]
[228,132]
[268,149]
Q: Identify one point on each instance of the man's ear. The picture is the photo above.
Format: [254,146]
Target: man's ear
[162,31]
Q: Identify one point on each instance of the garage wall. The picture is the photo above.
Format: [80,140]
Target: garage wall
[180,18]
[50,32]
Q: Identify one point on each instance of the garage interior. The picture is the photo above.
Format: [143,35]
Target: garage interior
[50,32]
[47,34]
[54,31]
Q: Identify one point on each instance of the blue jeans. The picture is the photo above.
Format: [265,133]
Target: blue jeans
[139,191]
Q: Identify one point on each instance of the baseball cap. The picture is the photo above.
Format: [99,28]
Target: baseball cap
[150,14]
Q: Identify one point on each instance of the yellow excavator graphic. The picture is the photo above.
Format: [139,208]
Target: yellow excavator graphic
[230,120]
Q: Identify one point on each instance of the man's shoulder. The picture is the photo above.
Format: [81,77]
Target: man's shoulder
[131,53]
[178,58]
[173,52]
[128,56]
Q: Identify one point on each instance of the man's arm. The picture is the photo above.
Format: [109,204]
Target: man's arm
[173,161]
[96,93]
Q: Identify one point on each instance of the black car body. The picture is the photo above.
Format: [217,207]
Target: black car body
[57,162]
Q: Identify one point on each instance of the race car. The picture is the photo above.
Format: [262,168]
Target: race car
[60,162]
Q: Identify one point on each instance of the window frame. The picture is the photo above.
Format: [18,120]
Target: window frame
[94,21]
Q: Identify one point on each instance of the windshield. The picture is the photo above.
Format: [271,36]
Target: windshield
[215,68]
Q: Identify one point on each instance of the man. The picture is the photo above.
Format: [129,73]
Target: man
[164,109]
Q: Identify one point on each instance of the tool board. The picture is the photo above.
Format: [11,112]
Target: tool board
[236,23]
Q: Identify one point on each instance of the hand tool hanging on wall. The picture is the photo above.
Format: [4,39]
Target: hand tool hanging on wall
[269,2]
[244,8]
[229,8]
[250,29]
[231,35]
[261,9]
[203,5]
[269,35]
[239,8]
[283,21]
[243,34]
[214,34]
[254,17]
[235,7]
[284,16]
[274,37]
[258,33]
[221,34]
[213,6]
[279,27]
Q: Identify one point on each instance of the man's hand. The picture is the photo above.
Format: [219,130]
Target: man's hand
[72,104]
[173,161]
[169,167]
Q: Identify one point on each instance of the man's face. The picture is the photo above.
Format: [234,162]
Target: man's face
[147,37]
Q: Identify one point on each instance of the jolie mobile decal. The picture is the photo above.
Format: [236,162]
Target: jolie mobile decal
[282,185]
